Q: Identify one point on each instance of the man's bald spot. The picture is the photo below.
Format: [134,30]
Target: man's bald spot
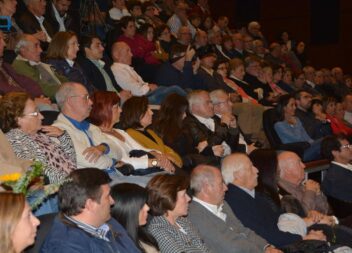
[238,157]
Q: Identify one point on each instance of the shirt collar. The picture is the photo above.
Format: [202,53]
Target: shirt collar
[83,125]
[208,122]
[209,71]
[214,209]
[70,62]
[98,63]
[32,63]
[57,14]
[40,19]
[250,192]
[100,232]
[345,166]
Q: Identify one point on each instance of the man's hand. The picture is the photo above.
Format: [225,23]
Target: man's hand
[40,35]
[218,150]
[92,154]
[52,131]
[190,52]
[152,86]
[271,249]
[311,185]
[315,235]
[228,119]
[202,145]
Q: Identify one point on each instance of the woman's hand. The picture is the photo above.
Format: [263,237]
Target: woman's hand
[52,131]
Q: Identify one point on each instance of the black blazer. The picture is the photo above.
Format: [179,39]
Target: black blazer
[257,215]
[50,17]
[94,75]
[29,24]
[337,183]
[196,132]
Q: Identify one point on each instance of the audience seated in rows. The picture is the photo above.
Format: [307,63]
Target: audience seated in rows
[28,63]
[168,202]
[62,53]
[105,114]
[214,219]
[129,80]
[252,209]
[136,117]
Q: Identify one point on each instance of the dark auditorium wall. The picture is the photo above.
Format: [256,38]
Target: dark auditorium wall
[299,17]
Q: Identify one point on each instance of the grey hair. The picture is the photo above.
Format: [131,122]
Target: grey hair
[214,95]
[229,167]
[22,42]
[65,90]
[194,97]
[201,175]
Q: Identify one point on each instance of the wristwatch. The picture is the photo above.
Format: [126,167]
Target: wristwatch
[155,163]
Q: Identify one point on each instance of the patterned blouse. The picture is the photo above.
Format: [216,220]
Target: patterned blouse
[59,159]
[172,239]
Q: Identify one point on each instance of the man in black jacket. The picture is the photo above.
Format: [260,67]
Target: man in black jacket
[252,209]
[209,134]
[32,21]
[58,17]
[95,69]
[337,181]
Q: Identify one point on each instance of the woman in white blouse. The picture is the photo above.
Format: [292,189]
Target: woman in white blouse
[105,114]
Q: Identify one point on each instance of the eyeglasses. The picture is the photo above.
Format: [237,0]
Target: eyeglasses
[85,97]
[346,146]
[33,114]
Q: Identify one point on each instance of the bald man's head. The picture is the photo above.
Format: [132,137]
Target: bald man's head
[121,53]
[291,167]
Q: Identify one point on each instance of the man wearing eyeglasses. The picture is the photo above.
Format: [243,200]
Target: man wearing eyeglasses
[92,149]
[337,181]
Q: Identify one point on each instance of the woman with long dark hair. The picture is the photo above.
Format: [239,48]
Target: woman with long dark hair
[136,117]
[290,129]
[131,211]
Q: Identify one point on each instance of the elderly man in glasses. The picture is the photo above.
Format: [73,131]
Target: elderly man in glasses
[92,148]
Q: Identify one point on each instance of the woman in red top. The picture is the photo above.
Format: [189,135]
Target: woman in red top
[141,46]
[334,113]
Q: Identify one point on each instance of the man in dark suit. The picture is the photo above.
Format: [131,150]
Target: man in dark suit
[216,223]
[252,209]
[57,15]
[206,133]
[337,181]
[32,21]
[95,69]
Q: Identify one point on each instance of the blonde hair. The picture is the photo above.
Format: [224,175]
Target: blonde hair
[11,209]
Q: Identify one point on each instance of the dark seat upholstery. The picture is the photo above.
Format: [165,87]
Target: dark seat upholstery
[340,208]
[269,119]
[46,222]
[49,117]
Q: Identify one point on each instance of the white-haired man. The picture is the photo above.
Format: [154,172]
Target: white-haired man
[216,223]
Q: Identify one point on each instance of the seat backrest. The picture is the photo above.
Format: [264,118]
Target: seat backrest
[340,208]
[46,222]
[269,119]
